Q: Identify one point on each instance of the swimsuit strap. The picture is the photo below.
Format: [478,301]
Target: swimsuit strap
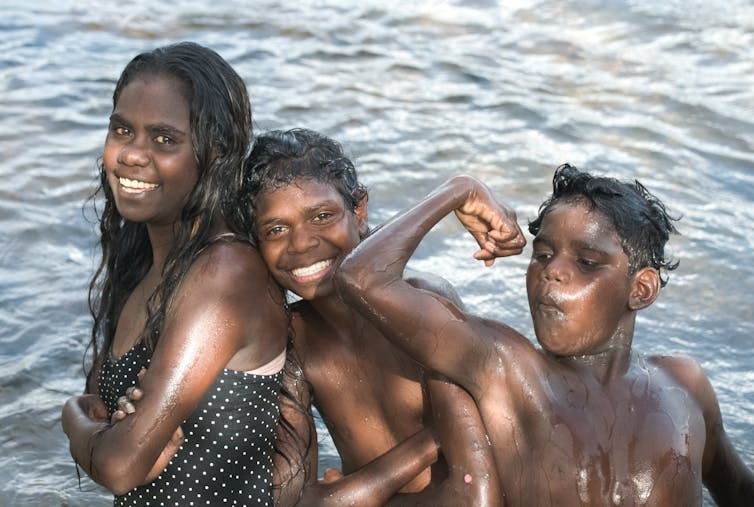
[272,367]
[227,237]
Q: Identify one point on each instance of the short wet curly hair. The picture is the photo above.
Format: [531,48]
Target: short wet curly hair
[640,219]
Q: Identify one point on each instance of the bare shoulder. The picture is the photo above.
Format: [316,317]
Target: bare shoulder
[230,260]
[229,282]
[689,375]
[684,369]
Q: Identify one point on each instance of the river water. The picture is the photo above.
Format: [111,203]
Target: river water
[416,91]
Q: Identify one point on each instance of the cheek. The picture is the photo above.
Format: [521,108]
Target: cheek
[268,253]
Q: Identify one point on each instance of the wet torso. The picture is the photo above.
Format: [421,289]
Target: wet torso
[369,393]
[562,438]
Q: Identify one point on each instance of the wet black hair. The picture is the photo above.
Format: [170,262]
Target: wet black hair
[280,156]
[640,220]
[277,158]
[220,122]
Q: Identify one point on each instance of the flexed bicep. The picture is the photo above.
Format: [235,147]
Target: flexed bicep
[429,327]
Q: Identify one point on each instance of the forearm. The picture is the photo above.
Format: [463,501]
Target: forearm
[83,434]
[375,483]
[371,280]
[384,254]
[96,446]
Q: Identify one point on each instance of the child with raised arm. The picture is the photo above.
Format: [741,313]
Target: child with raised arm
[585,420]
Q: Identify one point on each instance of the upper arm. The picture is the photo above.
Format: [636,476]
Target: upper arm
[725,475]
[433,329]
[473,477]
[206,326]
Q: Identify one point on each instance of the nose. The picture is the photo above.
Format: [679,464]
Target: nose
[302,239]
[557,270]
[134,153]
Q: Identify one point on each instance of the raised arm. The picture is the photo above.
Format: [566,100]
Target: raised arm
[204,331]
[430,328]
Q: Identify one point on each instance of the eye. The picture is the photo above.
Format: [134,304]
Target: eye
[541,254]
[274,232]
[587,264]
[163,139]
[120,130]
[323,216]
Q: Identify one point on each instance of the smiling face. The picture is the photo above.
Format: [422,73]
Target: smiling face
[578,283]
[304,232]
[148,155]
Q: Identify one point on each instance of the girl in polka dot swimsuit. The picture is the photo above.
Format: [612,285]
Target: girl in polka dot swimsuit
[182,302]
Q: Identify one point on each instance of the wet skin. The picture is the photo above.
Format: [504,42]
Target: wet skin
[305,230]
[148,155]
[370,394]
[584,420]
[150,167]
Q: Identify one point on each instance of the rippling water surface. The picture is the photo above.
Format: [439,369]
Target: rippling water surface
[660,91]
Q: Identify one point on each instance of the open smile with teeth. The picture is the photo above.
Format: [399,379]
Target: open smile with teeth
[135,186]
[313,270]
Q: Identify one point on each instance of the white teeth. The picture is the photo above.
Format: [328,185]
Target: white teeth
[141,185]
[310,270]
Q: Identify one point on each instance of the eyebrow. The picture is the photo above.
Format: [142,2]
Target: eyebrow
[154,128]
[320,205]
[576,244]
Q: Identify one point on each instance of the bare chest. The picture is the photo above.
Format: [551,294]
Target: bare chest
[369,398]
[635,444]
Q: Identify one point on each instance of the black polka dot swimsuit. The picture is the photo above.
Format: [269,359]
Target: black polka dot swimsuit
[226,456]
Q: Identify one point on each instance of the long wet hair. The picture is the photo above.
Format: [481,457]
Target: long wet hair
[220,122]
[279,157]
[640,219]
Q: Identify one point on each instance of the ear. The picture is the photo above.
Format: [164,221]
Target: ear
[362,214]
[645,288]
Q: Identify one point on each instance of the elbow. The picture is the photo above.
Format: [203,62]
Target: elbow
[116,475]
[350,279]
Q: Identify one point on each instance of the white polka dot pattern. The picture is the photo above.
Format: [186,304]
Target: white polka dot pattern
[226,457]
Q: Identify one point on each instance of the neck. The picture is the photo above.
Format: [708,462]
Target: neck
[161,238]
[609,362]
[333,310]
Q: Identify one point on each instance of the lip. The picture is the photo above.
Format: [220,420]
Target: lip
[312,272]
[548,305]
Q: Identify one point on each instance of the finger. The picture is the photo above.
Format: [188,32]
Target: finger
[125,404]
[141,374]
[177,436]
[118,415]
[484,255]
[331,475]
[134,393]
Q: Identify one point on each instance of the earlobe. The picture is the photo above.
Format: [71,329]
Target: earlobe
[362,214]
[645,289]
